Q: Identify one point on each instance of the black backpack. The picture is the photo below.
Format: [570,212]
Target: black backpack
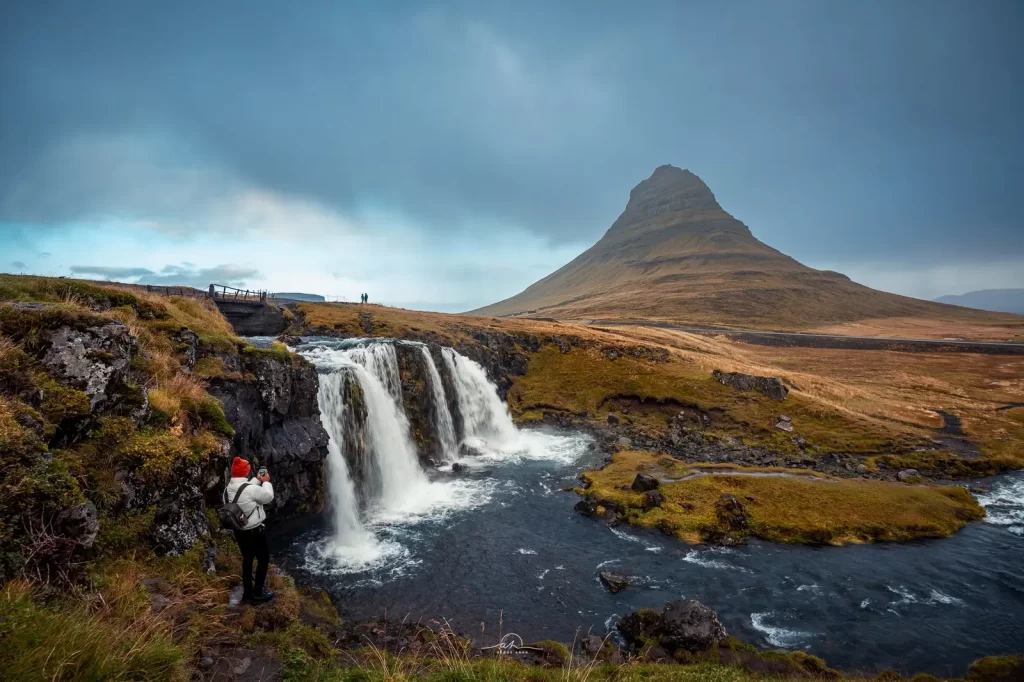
[231,515]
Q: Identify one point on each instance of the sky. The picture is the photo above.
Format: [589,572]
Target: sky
[446,155]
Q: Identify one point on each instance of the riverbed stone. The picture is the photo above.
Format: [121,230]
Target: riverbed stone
[652,499]
[615,582]
[644,482]
[906,474]
[690,625]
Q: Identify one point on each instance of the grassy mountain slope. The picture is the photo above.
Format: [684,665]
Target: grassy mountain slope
[676,255]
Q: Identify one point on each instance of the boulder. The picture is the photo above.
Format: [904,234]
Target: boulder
[95,360]
[644,482]
[615,582]
[587,507]
[613,420]
[640,627]
[785,423]
[652,499]
[79,523]
[459,467]
[730,512]
[690,625]
[906,474]
[770,386]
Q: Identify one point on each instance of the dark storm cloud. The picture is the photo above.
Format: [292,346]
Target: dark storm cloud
[862,129]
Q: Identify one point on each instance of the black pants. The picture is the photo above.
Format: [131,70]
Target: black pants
[253,543]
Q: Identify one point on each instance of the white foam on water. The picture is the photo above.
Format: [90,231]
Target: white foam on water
[778,636]
[527,552]
[1004,503]
[702,557]
[864,604]
[941,598]
[398,489]
[543,573]
[600,565]
[487,425]
[813,589]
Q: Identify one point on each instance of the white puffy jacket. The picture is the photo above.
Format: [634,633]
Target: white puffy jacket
[252,499]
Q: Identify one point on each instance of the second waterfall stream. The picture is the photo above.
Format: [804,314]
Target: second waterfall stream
[376,479]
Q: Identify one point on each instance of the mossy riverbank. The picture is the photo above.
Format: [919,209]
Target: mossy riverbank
[777,505]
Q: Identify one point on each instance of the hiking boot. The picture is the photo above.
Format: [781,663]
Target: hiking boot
[263,597]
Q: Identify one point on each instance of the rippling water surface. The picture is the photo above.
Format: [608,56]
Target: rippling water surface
[510,546]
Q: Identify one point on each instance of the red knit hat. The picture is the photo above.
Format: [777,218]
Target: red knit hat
[239,468]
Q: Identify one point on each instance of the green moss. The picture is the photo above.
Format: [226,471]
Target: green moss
[123,534]
[211,414]
[277,351]
[997,669]
[783,507]
[555,652]
[209,367]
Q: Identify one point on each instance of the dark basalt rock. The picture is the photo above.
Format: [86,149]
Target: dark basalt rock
[690,625]
[177,526]
[80,524]
[459,468]
[615,582]
[277,424]
[613,420]
[652,499]
[687,625]
[770,386]
[644,482]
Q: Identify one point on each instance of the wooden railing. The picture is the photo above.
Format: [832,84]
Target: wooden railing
[190,292]
[222,292]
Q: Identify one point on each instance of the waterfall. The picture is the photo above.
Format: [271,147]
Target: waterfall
[349,531]
[374,474]
[484,416]
[445,426]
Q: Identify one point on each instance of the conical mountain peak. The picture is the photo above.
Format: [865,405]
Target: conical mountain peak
[668,190]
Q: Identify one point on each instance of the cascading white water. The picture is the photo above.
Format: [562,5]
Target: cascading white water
[445,426]
[484,416]
[395,473]
[395,488]
[350,534]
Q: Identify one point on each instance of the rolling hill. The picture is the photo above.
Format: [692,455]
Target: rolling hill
[998,300]
[675,255]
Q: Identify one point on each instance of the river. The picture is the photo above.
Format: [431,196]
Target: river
[501,542]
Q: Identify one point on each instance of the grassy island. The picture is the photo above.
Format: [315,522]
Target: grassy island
[779,505]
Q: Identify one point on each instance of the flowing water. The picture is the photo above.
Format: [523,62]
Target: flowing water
[500,542]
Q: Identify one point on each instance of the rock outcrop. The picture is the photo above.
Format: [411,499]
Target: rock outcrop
[273,410]
[687,626]
[770,386]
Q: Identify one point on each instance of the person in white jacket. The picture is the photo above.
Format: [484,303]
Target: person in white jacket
[252,540]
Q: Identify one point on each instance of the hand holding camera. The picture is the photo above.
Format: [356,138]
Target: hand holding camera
[263,475]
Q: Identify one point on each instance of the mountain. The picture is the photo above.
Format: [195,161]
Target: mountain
[675,255]
[996,300]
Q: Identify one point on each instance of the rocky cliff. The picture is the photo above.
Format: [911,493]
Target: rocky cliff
[273,410]
[116,417]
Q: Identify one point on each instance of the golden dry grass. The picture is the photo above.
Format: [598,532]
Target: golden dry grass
[782,506]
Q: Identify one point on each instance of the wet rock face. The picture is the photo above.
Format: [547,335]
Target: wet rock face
[770,386]
[418,399]
[277,424]
[503,356]
[615,582]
